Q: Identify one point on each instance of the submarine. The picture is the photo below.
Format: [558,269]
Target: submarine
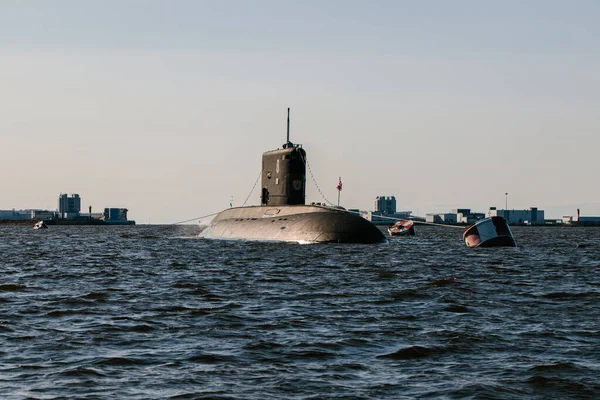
[283,215]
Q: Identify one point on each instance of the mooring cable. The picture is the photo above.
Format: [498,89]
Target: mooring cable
[379,216]
[253,187]
[213,214]
[314,180]
[194,219]
[327,201]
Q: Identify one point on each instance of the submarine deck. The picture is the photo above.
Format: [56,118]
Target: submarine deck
[292,223]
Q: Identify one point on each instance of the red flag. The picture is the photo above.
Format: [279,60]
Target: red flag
[339,185]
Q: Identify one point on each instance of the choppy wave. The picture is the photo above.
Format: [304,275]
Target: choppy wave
[156,312]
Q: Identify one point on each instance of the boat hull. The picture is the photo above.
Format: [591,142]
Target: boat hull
[402,228]
[40,225]
[490,232]
[292,223]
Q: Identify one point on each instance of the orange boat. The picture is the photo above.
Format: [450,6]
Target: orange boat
[489,232]
[404,227]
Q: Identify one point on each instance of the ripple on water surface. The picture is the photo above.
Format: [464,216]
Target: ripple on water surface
[155,312]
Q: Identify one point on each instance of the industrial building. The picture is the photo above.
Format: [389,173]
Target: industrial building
[69,206]
[26,215]
[385,211]
[15,215]
[69,213]
[116,215]
[578,220]
[441,218]
[385,204]
[532,216]
[587,219]
[457,216]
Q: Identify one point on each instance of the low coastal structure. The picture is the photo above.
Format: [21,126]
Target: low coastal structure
[587,220]
[578,220]
[456,216]
[532,216]
[464,216]
[116,216]
[26,215]
[68,213]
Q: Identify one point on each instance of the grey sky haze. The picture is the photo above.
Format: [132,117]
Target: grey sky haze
[165,107]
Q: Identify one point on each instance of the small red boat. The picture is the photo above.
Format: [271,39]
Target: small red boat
[489,232]
[404,227]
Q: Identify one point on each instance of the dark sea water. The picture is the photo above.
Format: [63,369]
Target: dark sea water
[154,312]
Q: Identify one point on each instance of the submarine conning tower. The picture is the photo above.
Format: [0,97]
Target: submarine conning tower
[284,174]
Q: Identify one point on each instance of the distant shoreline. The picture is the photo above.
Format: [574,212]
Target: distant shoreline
[570,225]
[96,222]
[70,222]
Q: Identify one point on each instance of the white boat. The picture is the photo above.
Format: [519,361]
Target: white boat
[40,225]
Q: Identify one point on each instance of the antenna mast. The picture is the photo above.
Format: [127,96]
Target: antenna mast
[288,126]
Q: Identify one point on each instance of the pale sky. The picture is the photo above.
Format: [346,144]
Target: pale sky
[165,107]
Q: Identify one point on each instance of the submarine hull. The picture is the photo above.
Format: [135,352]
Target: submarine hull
[292,223]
